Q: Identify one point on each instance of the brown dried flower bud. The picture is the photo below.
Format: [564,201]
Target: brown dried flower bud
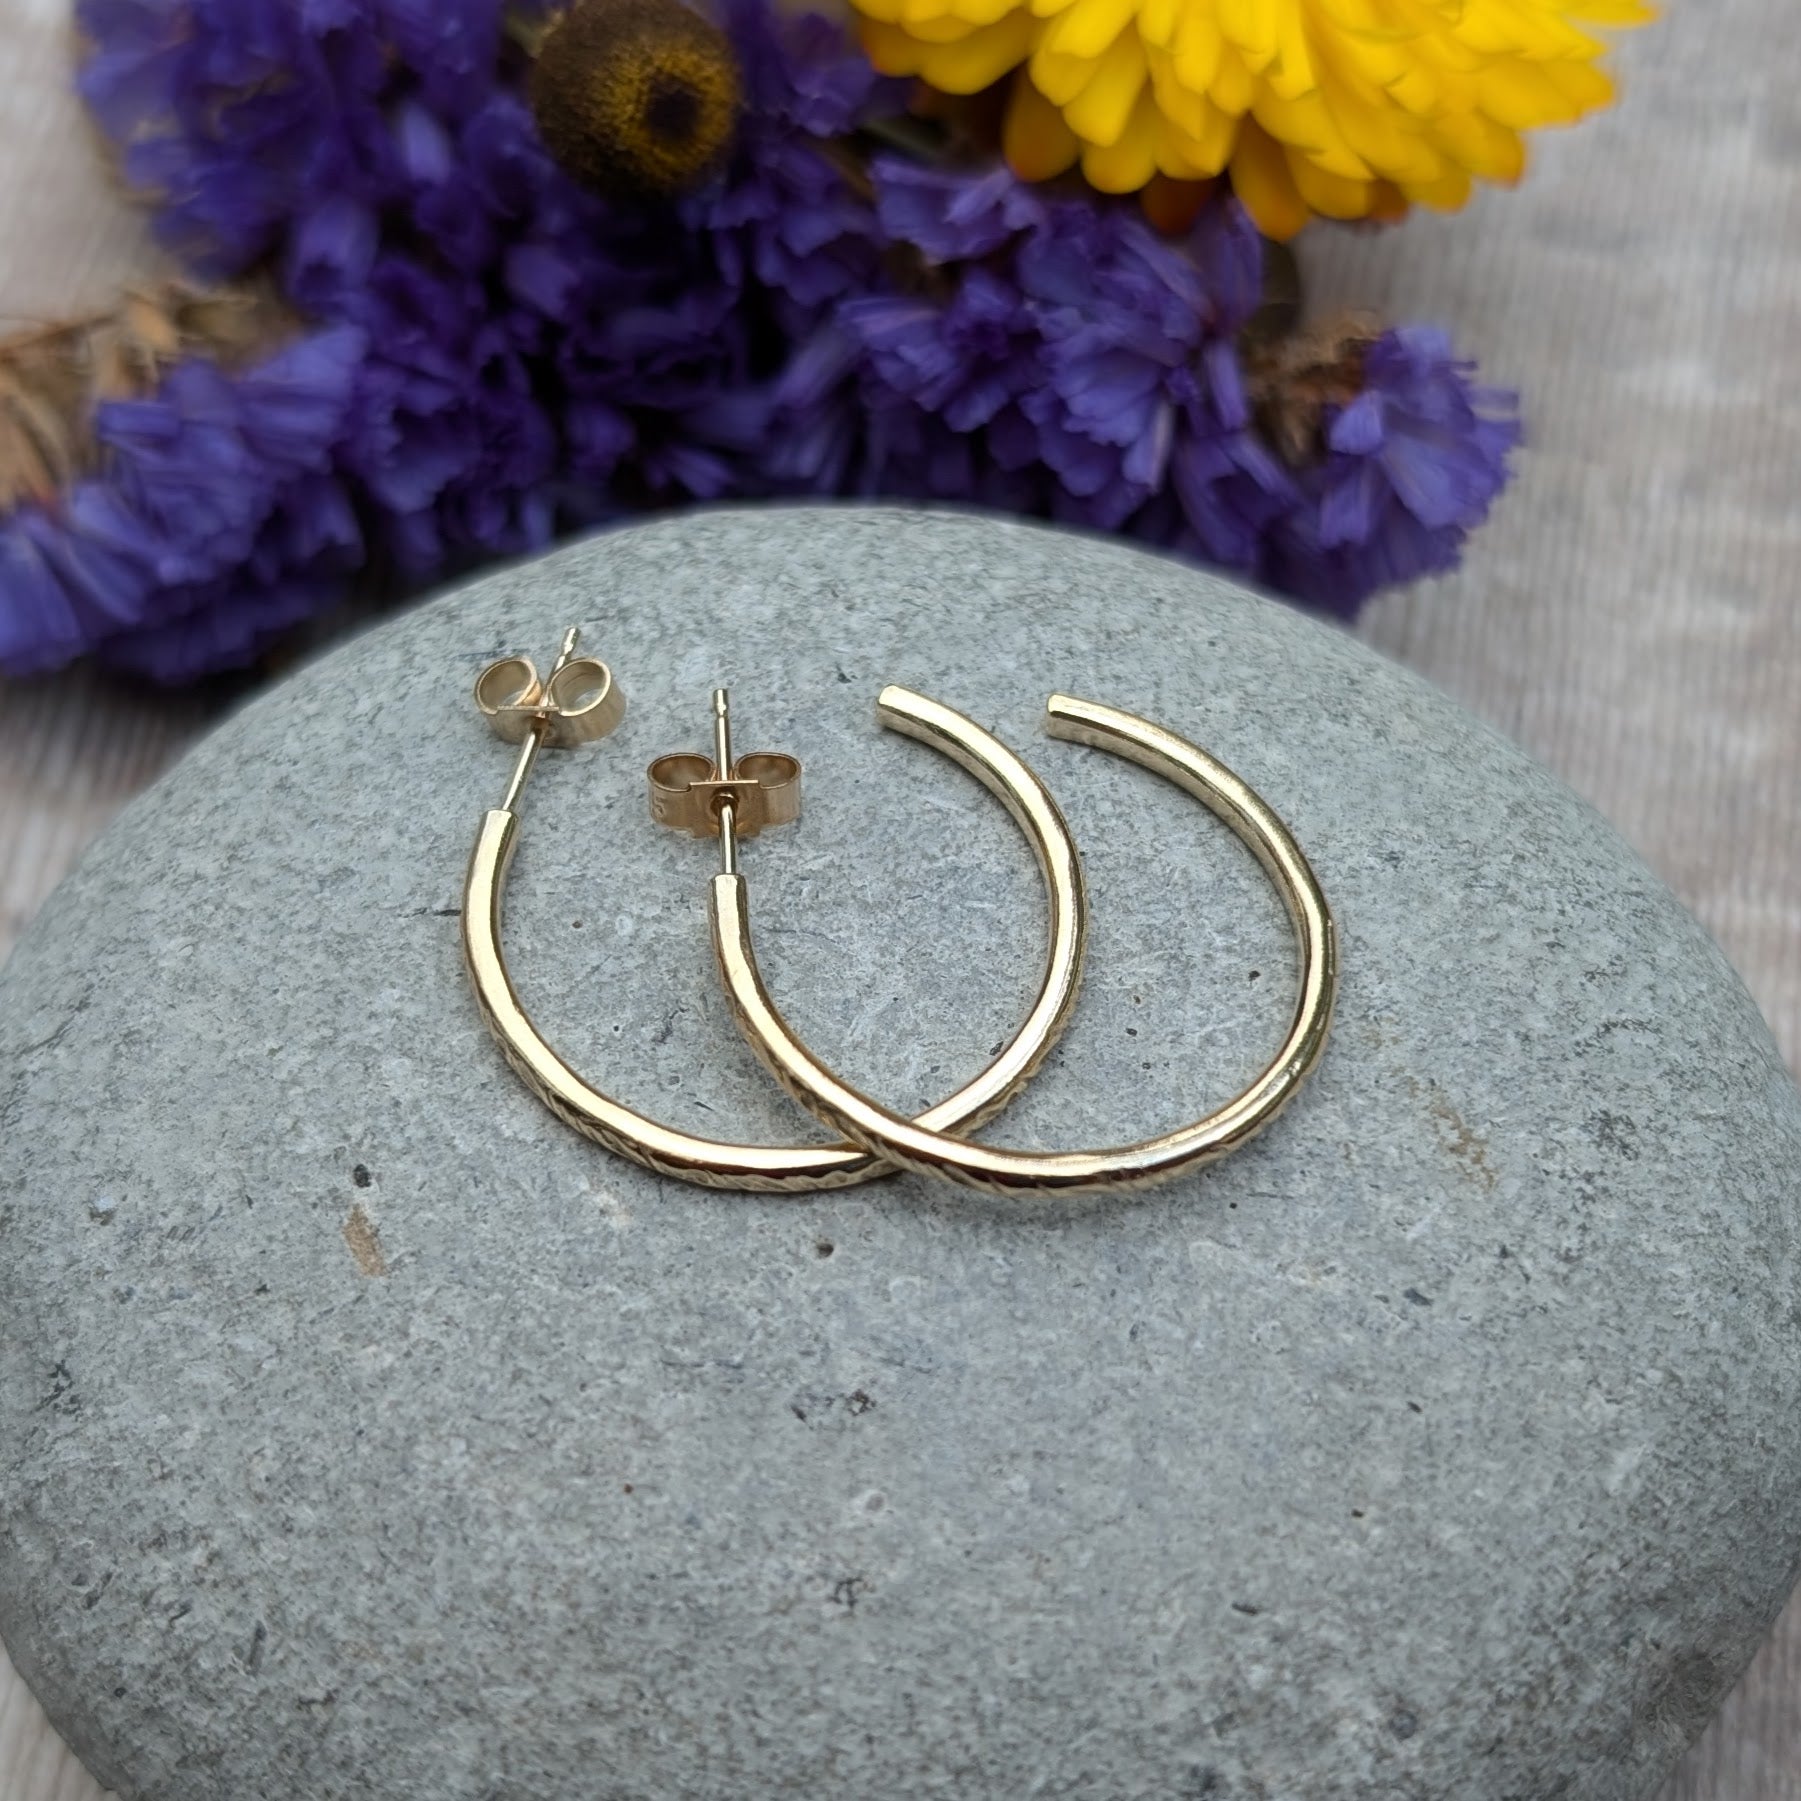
[1293,379]
[635,96]
[52,378]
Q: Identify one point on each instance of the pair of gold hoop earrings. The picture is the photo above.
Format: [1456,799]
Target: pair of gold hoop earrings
[734,798]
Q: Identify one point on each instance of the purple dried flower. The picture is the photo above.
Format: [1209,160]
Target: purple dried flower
[964,359]
[804,71]
[449,45]
[498,354]
[788,222]
[1412,465]
[446,432]
[307,547]
[950,215]
[219,495]
[815,429]
[236,113]
[1081,338]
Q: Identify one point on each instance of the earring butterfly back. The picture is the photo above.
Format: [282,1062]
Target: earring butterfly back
[725,797]
[577,703]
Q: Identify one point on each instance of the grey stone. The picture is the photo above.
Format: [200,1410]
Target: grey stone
[375,1436]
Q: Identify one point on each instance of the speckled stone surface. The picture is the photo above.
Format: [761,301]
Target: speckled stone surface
[367,1434]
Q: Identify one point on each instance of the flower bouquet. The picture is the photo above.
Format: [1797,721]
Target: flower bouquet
[465,278]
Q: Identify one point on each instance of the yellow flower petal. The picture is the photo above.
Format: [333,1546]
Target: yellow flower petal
[1418,89]
[1100,113]
[1158,21]
[1262,181]
[1250,28]
[1088,27]
[1124,166]
[939,28]
[969,12]
[1291,72]
[1036,142]
[1197,50]
[889,47]
[1196,155]
[1387,140]
[1583,84]
[1341,108]
[1489,151]
[975,61]
[986,12]
[1187,109]
[1449,194]
[1523,95]
[1233,87]
[1308,124]
[1059,78]
[1331,196]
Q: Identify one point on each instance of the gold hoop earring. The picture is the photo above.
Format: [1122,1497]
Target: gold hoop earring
[733,799]
[915,1147]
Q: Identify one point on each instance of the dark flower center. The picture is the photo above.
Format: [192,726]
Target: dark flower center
[672,110]
[636,96]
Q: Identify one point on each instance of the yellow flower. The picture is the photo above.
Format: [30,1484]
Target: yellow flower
[1346,108]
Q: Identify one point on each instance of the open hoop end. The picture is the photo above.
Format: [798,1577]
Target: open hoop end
[1081,721]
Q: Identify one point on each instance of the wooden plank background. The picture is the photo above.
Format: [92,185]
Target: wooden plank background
[1631,616]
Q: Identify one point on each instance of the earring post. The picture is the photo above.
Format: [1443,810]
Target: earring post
[722,732]
[533,741]
[722,764]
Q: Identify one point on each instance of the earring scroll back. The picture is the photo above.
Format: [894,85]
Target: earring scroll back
[687,792]
[578,703]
